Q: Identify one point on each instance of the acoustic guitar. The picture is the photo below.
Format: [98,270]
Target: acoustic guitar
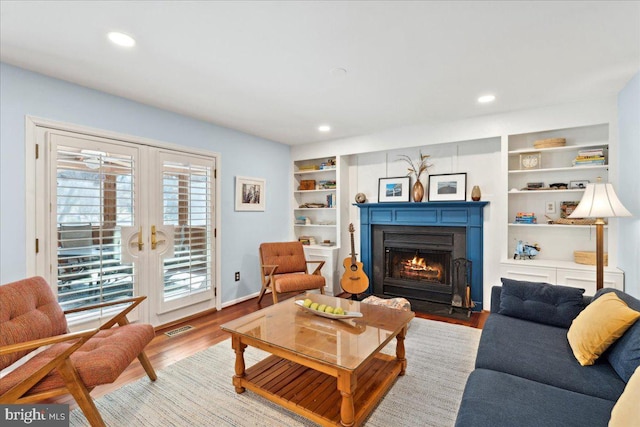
[354,280]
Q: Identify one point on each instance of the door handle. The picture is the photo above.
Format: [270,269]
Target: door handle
[140,242]
[154,241]
[154,238]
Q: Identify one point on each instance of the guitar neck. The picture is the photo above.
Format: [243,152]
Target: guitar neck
[353,250]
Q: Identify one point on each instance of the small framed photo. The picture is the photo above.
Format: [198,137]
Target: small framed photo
[578,184]
[567,208]
[394,189]
[250,193]
[448,187]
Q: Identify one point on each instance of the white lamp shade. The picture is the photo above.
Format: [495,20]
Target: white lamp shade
[599,201]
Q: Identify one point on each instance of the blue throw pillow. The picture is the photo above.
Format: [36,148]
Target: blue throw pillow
[624,354]
[540,302]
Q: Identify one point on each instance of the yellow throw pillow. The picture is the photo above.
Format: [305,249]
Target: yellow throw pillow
[626,411]
[598,326]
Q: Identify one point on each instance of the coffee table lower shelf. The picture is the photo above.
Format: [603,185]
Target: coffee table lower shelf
[314,394]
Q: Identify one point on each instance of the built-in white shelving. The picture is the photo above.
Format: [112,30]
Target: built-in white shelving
[555,263]
[321,223]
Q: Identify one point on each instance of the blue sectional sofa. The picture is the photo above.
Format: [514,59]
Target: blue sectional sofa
[527,375]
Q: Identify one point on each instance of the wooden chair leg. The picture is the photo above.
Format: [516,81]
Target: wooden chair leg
[275,295]
[146,364]
[80,393]
[262,291]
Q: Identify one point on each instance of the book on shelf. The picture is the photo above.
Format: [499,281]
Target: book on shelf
[592,162]
[307,240]
[526,218]
[589,157]
[591,152]
[327,184]
[330,200]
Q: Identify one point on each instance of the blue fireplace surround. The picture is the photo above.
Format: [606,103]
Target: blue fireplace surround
[433,214]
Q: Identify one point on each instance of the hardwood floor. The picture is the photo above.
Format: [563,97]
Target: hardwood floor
[164,350]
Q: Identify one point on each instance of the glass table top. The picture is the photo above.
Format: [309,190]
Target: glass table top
[345,343]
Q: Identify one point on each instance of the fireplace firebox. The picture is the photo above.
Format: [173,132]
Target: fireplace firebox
[417,262]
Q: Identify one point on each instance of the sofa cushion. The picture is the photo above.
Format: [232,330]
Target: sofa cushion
[624,354]
[542,353]
[598,326]
[540,302]
[496,399]
[626,411]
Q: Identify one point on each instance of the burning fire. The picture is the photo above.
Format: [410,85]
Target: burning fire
[419,264]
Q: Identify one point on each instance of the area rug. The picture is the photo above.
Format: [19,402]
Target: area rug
[197,391]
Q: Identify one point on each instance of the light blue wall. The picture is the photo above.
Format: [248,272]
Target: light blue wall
[26,93]
[629,183]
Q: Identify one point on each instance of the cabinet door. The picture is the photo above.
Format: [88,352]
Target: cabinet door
[528,272]
[587,280]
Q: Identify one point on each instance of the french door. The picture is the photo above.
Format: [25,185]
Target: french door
[128,219]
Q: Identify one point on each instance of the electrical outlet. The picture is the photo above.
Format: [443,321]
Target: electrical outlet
[237,276]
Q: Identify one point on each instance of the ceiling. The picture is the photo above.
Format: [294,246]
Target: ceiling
[268,68]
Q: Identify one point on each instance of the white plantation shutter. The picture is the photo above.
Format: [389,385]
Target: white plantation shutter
[95,198]
[187,194]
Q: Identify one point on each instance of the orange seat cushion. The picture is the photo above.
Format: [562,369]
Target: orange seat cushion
[99,361]
[297,282]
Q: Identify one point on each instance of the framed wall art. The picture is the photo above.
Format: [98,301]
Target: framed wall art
[394,189]
[250,193]
[448,187]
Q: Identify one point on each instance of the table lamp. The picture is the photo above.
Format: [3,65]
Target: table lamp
[599,201]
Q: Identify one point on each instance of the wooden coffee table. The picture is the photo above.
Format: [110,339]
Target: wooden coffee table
[330,371]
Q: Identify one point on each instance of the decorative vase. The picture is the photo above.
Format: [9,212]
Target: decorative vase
[418,191]
[475,193]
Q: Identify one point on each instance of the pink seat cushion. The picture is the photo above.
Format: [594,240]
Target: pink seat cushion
[297,282]
[99,361]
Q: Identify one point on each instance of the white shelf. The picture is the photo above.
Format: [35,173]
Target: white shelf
[307,172]
[569,190]
[326,190]
[575,147]
[320,246]
[314,209]
[576,226]
[570,168]
[314,225]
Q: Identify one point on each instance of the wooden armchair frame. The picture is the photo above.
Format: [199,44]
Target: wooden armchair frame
[66,369]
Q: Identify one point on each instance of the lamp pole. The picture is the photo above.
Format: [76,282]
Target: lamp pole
[599,253]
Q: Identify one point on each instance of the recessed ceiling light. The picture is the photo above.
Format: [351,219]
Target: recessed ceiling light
[486,98]
[121,39]
[324,128]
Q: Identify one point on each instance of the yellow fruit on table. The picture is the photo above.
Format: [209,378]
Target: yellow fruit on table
[329,309]
[307,303]
[314,306]
[338,310]
[321,307]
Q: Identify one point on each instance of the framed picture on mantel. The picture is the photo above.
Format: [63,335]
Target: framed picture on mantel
[448,187]
[393,189]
